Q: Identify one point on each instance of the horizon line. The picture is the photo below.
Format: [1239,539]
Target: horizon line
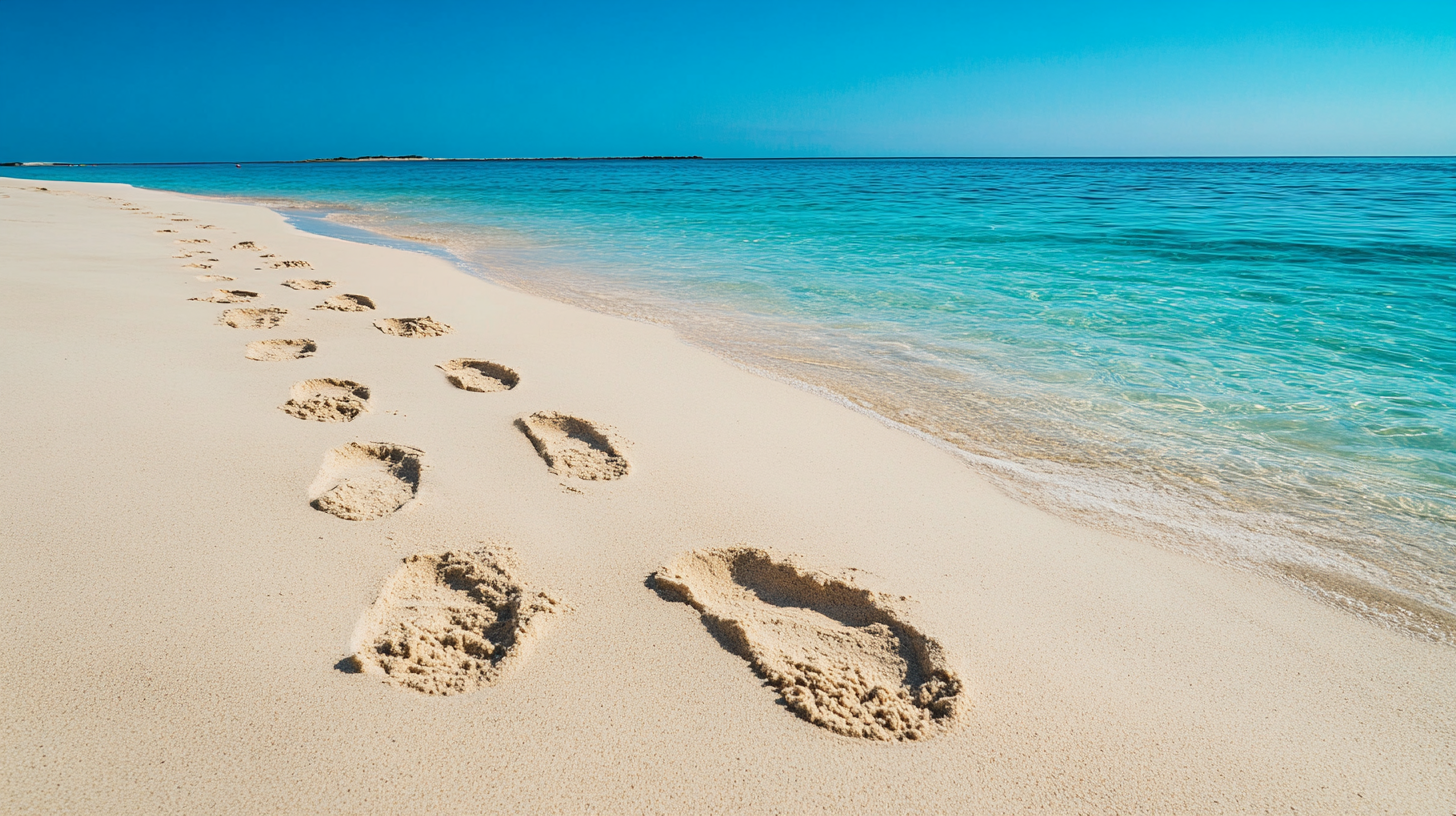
[391,160]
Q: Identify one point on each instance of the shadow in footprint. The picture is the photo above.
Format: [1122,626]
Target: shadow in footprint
[479,375]
[362,481]
[575,447]
[842,657]
[449,623]
[347,303]
[327,400]
[270,351]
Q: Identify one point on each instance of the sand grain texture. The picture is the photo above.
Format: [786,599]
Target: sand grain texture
[347,303]
[469,374]
[279,350]
[843,657]
[575,447]
[327,399]
[363,481]
[305,283]
[450,623]
[412,327]
[264,318]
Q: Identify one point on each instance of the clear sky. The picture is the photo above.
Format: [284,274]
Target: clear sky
[228,80]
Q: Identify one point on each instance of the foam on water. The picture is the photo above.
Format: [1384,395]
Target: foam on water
[1253,360]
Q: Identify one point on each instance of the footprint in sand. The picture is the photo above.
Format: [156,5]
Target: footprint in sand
[197,266]
[249,245]
[412,326]
[450,623]
[362,481]
[292,265]
[166,230]
[327,400]
[272,351]
[208,226]
[265,318]
[214,278]
[575,447]
[304,283]
[347,303]
[843,657]
[227,296]
[193,241]
[479,375]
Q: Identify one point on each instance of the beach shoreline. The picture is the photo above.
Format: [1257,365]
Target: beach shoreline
[178,608]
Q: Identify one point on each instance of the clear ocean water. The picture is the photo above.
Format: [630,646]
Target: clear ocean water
[1252,360]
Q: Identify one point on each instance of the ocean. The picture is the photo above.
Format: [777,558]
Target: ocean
[1253,360]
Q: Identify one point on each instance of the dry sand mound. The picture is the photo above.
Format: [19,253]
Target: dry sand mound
[412,326]
[225,295]
[575,447]
[479,375]
[348,303]
[327,400]
[361,481]
[843,657]
[305,283]
[265,318]
[292,265]
[249,245]
[272,351]
[214,278]
[451,623]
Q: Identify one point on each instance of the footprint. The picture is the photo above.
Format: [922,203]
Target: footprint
[227,296]
[166,230]
[348,303]
[265,318]
[574,447]
[248,245]
[208,226]
[327,400]
[214,278]
[479,375]
[292,265]
[197,266]
[303,283]
[362,481]
[843,657]
[450,623]
[272,351]
[193,241]
[412,326]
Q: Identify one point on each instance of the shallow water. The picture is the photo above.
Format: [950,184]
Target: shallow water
[1251,359]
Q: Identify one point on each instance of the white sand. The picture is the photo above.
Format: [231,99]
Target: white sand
[178,618]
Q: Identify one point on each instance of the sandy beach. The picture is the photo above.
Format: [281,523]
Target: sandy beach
[525,557]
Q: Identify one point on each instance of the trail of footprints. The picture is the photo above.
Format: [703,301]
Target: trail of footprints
[840,656]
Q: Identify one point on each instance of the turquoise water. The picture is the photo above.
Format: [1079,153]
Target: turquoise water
[1254,360]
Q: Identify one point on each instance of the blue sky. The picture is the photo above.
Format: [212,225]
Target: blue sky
[93,81]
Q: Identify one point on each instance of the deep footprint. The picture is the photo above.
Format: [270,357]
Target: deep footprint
[362,481]
[479,375]
[270,351]
[226,295]
[348,303]
[450,623]
[305,283]
[265,318]
[574,447]
[843,657]
[327,400]
[412,326]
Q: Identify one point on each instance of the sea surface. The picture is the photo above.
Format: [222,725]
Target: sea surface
[1251,360]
